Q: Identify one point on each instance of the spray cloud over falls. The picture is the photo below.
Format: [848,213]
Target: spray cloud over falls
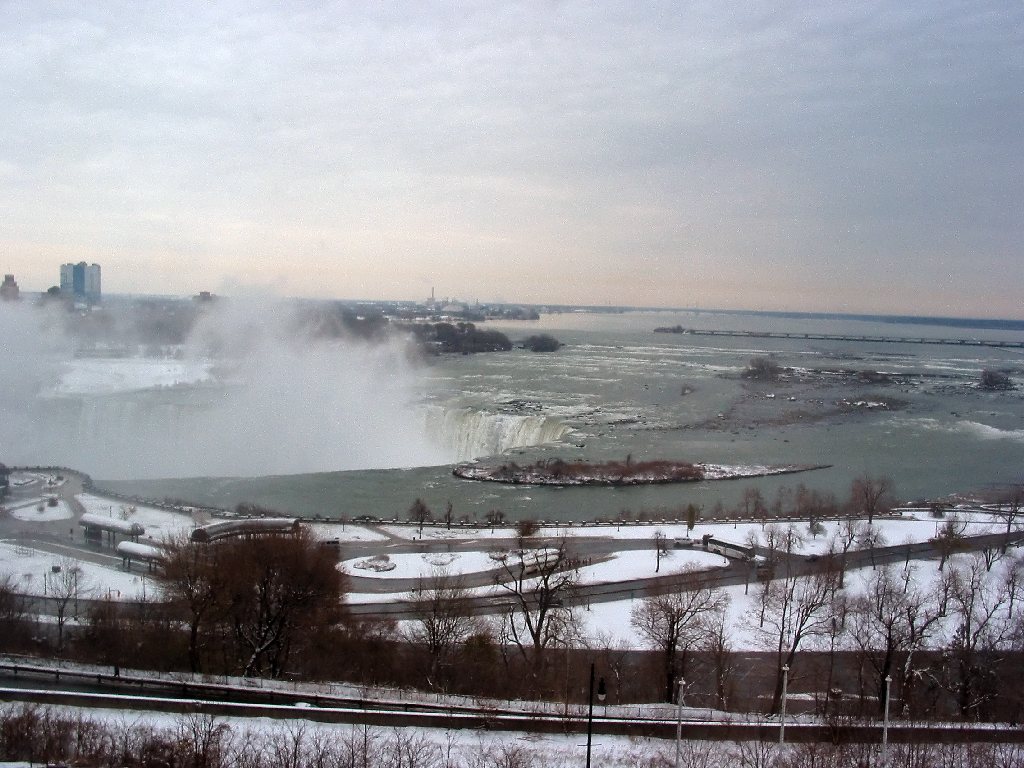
[249,393]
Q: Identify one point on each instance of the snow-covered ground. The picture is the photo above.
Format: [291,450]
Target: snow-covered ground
[45,479]
[346,532]
[620,567]
[39,511]
[31,572]
[643,565]
[160,524]
[421,565]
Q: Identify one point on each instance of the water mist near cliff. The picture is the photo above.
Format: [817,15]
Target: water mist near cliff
[248,394]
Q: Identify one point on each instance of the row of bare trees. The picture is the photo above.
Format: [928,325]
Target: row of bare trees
[938,641]
[249,604]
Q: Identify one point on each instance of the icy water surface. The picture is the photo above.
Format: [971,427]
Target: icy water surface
[911,411]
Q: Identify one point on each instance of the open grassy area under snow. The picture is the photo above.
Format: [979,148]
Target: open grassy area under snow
[31,572]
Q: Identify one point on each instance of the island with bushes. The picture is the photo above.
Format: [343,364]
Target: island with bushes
[458,338]
[618,473]
[541,343]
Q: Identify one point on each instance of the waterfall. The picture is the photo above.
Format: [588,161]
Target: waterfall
[469,433]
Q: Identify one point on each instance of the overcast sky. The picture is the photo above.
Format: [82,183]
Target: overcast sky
[848,156]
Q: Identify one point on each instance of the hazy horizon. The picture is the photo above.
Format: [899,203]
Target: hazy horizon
[740,310]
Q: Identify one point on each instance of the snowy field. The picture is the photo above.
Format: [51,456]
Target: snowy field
[160,524]
[31,571]
[420,565]
[346,532]
[620,567]
[39,511]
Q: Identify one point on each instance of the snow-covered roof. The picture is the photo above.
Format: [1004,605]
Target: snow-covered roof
[112,524]
[140,551]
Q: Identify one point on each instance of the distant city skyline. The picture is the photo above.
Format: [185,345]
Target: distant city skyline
[848,157]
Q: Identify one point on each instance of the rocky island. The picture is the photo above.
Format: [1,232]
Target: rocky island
[618,473]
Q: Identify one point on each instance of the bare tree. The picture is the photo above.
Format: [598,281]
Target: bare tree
[205,740]
[611,654]
[979,598]
[65,585]
[793,610]
[891,621]
[443,618]
[194,581]
[850,531]
[13,611]
[949,539]
[281,591]
[526,529]
[539,583]
[420,513]
[660,548]
[719,647]
[753,504]
[814,505]
[870,496]
[674,622]
[1010,506]
[871,538]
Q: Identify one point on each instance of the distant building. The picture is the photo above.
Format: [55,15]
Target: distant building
[81,281]
[9,289]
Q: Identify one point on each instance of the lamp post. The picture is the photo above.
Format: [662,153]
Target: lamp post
[590,710]
[680,683]
[782,710]
[885,722]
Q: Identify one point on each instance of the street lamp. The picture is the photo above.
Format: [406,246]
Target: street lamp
[601,693]
[885,722]
[782,711]
[680,683]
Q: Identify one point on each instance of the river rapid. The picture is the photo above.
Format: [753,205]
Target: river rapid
[911,411]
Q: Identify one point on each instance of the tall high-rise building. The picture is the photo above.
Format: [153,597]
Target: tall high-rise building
[81,280]
[9,288]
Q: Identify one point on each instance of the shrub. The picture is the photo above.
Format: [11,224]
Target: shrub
[542,343]
[762,368]
[995,380]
